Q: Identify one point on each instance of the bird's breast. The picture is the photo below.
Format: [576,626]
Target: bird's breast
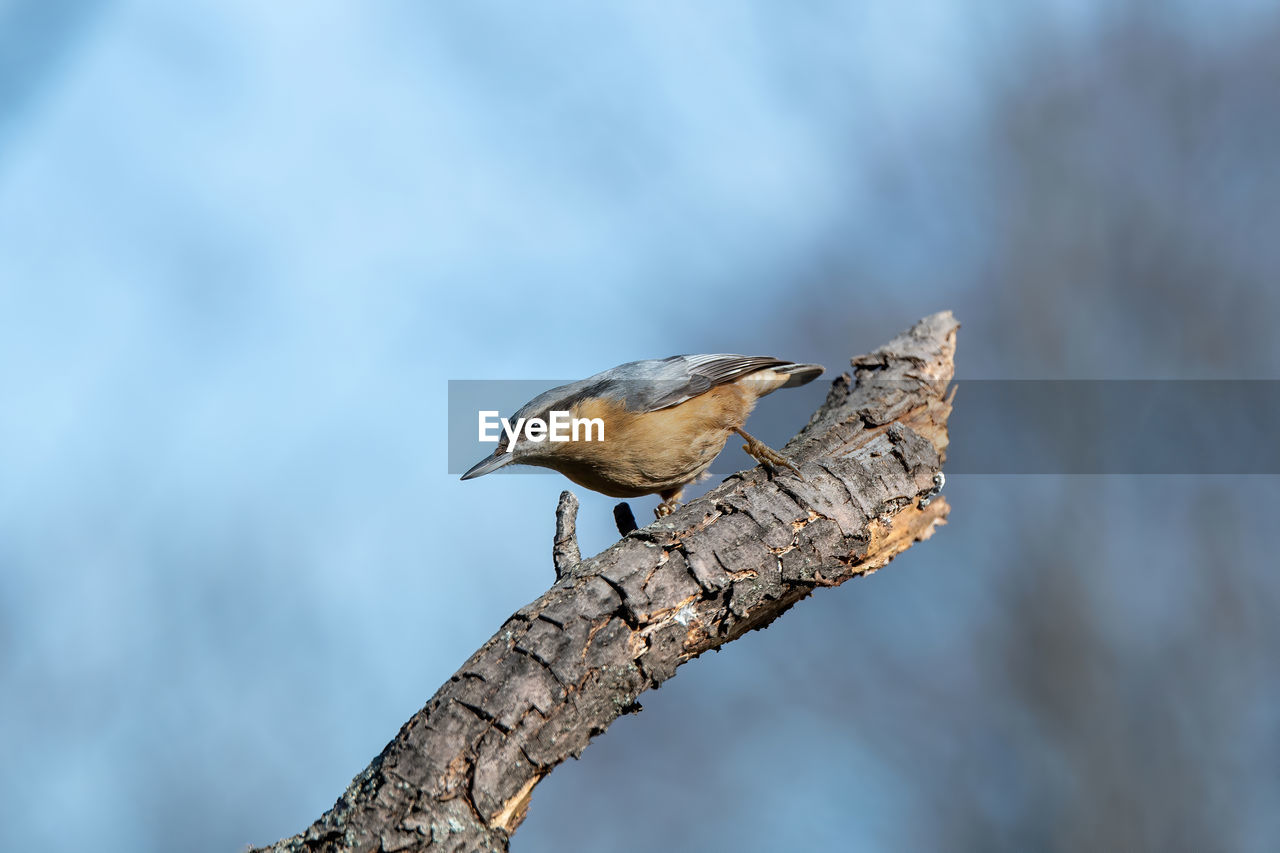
[647,452]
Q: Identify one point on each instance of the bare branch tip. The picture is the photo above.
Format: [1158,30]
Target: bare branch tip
[625,519]
[564,551]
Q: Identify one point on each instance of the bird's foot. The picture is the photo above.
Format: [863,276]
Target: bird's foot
[670,500]
[765,454]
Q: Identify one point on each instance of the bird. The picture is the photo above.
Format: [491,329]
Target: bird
[662,423]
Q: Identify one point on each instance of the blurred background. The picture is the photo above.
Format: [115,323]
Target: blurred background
[243,247]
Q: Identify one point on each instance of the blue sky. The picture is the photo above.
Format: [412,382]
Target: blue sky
[244,246]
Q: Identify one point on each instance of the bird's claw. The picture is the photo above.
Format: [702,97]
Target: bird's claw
[766,455]
[665,508]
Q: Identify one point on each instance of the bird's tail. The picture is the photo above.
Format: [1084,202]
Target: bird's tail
[799,374]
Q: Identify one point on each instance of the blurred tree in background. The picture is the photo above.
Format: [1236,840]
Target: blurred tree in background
[243,246]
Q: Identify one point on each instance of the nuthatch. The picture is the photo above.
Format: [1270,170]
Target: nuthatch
[664,422]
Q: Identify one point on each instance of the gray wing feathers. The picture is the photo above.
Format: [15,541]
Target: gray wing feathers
[687,376]
[723,368]
[647,386]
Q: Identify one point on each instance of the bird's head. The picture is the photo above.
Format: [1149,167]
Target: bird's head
[528,447]
[501,457]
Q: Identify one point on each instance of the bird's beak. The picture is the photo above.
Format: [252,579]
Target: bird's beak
[487,465]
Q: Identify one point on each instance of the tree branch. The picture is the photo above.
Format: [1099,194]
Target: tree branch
[459,774]
[564,550]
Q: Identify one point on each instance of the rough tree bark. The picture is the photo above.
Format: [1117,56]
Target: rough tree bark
[459,774]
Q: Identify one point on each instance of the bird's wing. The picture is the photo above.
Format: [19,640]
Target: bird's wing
[647,386]
[670,381]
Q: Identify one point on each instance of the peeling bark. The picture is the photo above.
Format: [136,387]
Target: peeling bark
[459,774]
